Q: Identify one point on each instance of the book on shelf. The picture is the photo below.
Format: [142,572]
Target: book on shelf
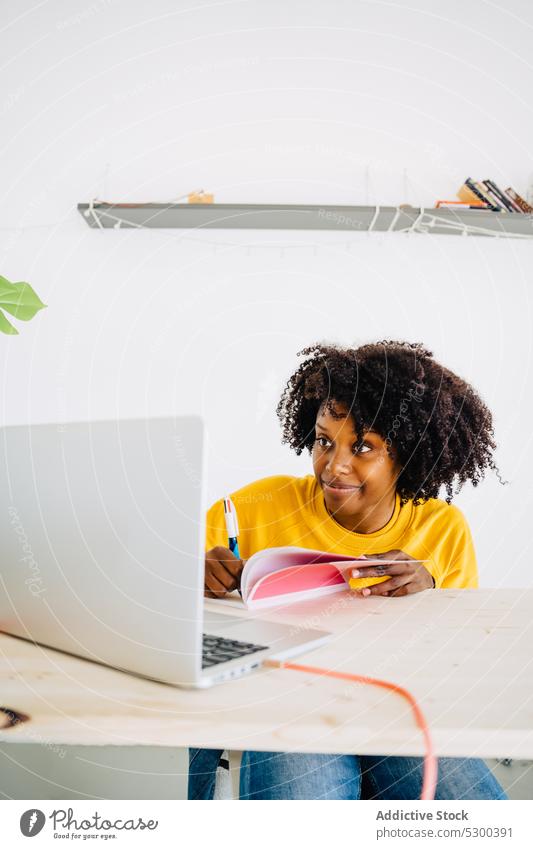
[483,194]
[494,198]
[499,196]
[284,575]
[522,205]
[469,194]
[488,193]
[459,204]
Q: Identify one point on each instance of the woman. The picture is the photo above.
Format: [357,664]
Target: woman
[387,428]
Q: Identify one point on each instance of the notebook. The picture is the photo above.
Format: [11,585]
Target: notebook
[276,576]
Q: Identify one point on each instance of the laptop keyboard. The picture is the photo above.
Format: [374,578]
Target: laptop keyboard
[219,650]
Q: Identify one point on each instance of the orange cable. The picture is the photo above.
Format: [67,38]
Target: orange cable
[429,780]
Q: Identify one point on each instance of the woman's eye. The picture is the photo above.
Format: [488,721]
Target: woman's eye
[360,448]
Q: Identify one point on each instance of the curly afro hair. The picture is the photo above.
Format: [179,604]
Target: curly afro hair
[434,423]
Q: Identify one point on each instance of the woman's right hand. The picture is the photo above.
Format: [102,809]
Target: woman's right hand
[222,572]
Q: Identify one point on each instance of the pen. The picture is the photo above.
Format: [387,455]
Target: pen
[232,528]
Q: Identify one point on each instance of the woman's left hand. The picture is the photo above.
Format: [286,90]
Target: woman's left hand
[406,578]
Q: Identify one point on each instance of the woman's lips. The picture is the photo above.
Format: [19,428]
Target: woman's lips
[339,488]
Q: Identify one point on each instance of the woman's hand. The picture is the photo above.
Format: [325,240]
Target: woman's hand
[222,572]
[405,578]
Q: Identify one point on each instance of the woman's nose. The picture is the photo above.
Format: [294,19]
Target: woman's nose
[340,462]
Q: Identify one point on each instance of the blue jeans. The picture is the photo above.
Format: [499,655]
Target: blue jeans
[287,775]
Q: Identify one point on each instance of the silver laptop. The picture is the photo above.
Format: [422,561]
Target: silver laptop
[102,528]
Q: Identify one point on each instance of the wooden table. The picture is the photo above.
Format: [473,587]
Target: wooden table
[467,656]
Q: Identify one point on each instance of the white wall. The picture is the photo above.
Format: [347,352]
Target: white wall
[347,102]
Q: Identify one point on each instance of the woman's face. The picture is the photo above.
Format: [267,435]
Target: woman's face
[356,473]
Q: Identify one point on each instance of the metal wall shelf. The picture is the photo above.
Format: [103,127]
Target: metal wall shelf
[243,216]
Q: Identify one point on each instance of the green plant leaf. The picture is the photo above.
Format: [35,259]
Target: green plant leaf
[6,326]
[6,286]
[19,299]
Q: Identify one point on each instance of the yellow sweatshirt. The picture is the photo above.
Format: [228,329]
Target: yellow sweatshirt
[286,510]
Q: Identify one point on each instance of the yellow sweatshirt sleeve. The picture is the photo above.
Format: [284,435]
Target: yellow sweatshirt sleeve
[461,571]
[215,530]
